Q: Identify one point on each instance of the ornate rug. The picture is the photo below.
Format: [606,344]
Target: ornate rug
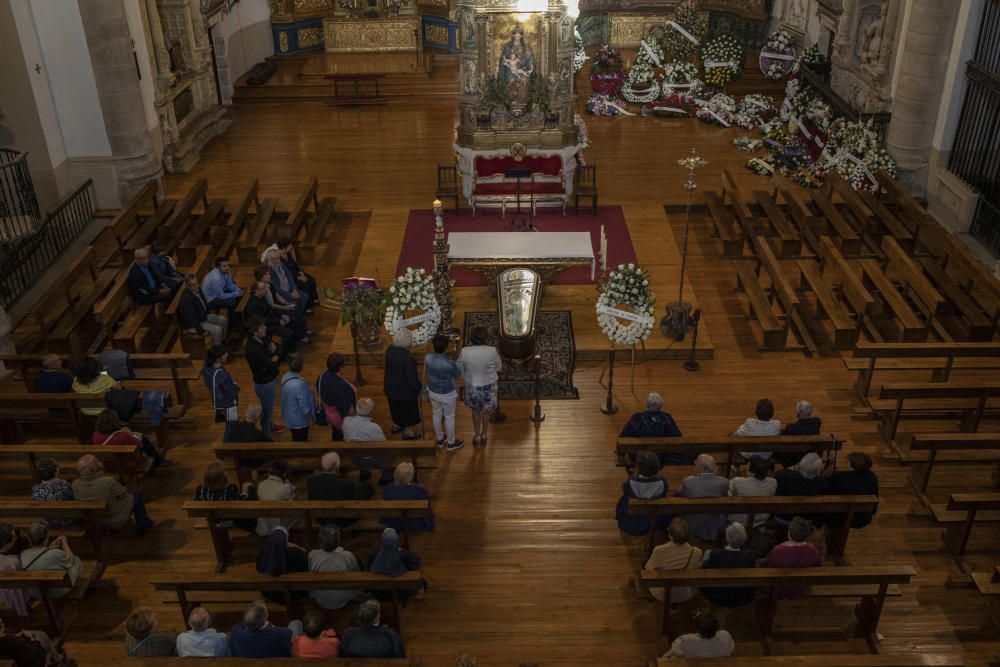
[556,346]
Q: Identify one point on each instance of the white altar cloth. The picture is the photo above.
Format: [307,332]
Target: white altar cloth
[522,245]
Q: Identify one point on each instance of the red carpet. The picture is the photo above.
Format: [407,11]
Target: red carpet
[418,240]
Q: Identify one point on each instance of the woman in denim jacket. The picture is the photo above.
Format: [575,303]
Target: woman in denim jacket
[442,371]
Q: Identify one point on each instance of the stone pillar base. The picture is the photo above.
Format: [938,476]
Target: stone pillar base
[181,156]
[949,198]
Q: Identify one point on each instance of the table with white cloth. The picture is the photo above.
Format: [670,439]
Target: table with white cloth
[547,253]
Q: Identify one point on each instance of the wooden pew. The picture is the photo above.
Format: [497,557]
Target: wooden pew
[175,230]
[850,242]
[120,317]
[84,512]
[936,392]
[958,261]
[250,243]
[307,228]
[225,237]
[775,336]
[854,207]
[307,512]
[193,344]
[129,220]
[961,513]
[845,328]
[979,326]
[988,584]
[939,358]
[143,235]
[748,223]
[125,461]
[799,212]
[674,506]
[912,277]
[911,329]
[625,448]
[187,586]
[888,222]
[839,273]
[848,579]
[913,215]
[44,581]
[780,290]
[970,448]
[293,662]
[723,221]
[790,243]
[391,450]
[818,660]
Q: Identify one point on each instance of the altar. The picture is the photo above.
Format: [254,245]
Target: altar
[546,253]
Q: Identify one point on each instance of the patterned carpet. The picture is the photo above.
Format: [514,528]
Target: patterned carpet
[555,345]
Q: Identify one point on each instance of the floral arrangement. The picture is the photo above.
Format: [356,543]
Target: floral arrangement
[600,104]
[413,291]
[776,131]
[609,85]
[718,110]
[674,104]
[685,31]
[606,61]
[746,144]
[628,285]
[361,304]
[812,56]
[855,153]
[722,57]
[777,58]
[754,110]
[642,85]
[579,55]
[760,166]
[681,76]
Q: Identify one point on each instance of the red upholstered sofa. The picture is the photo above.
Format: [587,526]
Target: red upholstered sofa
[545,185]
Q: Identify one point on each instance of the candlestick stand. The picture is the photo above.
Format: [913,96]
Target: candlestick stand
[536,369]
[677,321]
[692,364]
[443,282]
[609,407]
[359,380]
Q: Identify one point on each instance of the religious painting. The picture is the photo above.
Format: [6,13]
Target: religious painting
[467,29]
[517,45]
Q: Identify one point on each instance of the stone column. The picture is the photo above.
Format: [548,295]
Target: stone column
[928,38]
[110,46]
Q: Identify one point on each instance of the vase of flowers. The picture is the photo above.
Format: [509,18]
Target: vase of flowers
[607,72]
[722,58]
[816,61]
[361,307]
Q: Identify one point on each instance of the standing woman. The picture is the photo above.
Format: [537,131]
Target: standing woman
[442,371]
[480,365]
[336,395]
[401,384]
[222,388]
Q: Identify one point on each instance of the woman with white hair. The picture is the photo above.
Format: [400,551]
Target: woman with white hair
[402,385]
[803,479]
[403,488]
[734,555]
[49,555]
[806,424]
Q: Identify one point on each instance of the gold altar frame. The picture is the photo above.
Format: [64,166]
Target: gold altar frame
[547,269]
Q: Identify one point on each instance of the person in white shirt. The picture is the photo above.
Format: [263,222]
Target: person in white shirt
[481,365]
[708,642]
[761,424]
[277,486]
[757,483]
[202,641]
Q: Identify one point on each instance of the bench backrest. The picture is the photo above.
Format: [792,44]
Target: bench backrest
[763,576]
[43,400]
[250,198]
[912,274]
[35,579]
[779,283]
[128,216]
[296,581]
[48,509]
[940,390]
[836,184]
[539,165]
[298,214]
[736,200]
[113,305]
[63,290]
[824,442]
[279,662]
[955,441]
[851,286]
[293,450]
[744,504]
[815,660]
[910,350]
[974,501]
[322,509]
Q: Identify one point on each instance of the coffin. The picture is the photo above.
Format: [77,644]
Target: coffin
[518,295]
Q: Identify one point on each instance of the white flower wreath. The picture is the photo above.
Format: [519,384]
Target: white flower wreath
[412,291]
[628,285]
[642,85]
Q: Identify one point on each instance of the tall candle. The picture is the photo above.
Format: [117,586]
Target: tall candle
[604,251]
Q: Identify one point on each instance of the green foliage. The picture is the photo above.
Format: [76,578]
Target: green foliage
[538,92]
[361,305]
[494,95]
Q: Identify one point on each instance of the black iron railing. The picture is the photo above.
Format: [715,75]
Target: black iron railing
[19,214]
[23,261]
[880,120]
[975,156]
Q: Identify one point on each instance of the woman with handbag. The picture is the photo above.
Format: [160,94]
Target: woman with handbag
[224,390]
[337,396]
[111,430]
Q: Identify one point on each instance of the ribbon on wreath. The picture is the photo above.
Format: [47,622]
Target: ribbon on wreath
[679,28]
[673,109]
[623,314]
[711,64]
[777,56]
[717,117]
[649,52]
[417,319]
[864,169]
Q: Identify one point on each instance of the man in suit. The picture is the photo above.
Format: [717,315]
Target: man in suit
[705,484]
[143,283]
[329,485]
[290,328]
[193,312]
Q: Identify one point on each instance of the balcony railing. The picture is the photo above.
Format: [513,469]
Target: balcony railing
[18,204]
[880,120]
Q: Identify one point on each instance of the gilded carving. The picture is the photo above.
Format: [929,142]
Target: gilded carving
[283,41]
[437,34]
[370,35]
[313,6]
[627,30]
[310,37]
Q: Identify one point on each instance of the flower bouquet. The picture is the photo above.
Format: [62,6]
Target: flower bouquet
[777,58]
[628,286]
[722,58]
[607,71]
[746,144]
[719,110]
[579,55]
[681,77]
[754,110]
[814,60]
[410,301]
[642,85]
[685,31]
[600,104]
[675,104]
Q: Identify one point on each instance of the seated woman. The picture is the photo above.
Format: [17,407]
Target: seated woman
[732,556]
[331,557]
[111,430]
[858,481]
[795,552]
[676,554]
[279,556]
[49,555]
[757,483]
[803,479]
[52,487]
[142,639]
[315,641]
[647,485]
[393,561]
[90,379]
[403,488]
[11,598]
[708,642]
[215,486]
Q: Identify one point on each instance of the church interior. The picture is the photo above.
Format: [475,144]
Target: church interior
[553,333]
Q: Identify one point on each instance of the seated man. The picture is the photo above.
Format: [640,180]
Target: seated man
[371,639]
[93,484]
[146,288]
[653,422]
[255,637]
[708,642]
[360,427]
[246,430]
[283,282]
[163,266]
[52,379]
[31,648]
[192,311]
[306,282]
[202,640]
[143,639]
[805,425]
[705,484]
[761,424]
[290,331]
[219,288]
[331,557]
[329,485]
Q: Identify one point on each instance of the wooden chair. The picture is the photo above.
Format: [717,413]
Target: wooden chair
[447,187]
[585,185]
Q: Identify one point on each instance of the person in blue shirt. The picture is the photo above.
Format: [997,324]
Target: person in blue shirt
[52,379]
[442,371]
[298,405]
[202,640]
[145,286]
[403,488]
[283,282]
[255,637]
[219,289]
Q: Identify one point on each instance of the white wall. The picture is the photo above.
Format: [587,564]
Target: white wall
[962,49]
[136,28]
[246,34]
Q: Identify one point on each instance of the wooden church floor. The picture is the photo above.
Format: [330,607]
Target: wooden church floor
[527,564]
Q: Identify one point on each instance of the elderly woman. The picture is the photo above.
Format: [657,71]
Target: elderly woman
[707,642]
[480,365]
[858,481]
[757,483]
[676,554]
[647,484]
[401,384]
[93,484]
[442,371]
[392,561]
[278,556]
[705,484]
[336,395]
[90,380]
[52,486]
[653,422]
[283,283]
[331,557]
[109,429]
[806,424]
[49,555]
[732,556]
[403,488]
[143,640]
[801,480]
[11,598]
[794,552]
